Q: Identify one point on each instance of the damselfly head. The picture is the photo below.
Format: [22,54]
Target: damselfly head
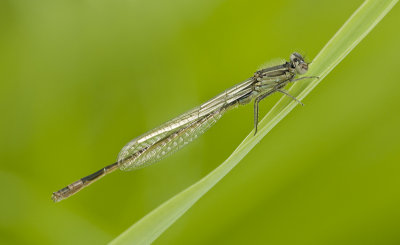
[298,63]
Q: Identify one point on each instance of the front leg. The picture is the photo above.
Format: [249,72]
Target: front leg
[256,102]
[301,78]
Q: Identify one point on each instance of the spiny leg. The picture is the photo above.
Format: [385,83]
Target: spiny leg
[256,102]
[291,96]
[301,78]
[283,91]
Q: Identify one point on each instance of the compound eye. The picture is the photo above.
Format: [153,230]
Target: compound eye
[296,57]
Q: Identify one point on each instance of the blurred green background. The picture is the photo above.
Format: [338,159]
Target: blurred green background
[79,79]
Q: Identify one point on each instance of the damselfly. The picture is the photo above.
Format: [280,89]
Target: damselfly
[178,132]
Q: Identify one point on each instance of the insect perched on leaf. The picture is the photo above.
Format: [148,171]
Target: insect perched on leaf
[171,136]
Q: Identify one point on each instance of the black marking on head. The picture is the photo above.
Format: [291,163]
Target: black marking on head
[296,57]
[298,63]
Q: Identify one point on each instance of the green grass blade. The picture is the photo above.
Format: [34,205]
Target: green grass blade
[350,34]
